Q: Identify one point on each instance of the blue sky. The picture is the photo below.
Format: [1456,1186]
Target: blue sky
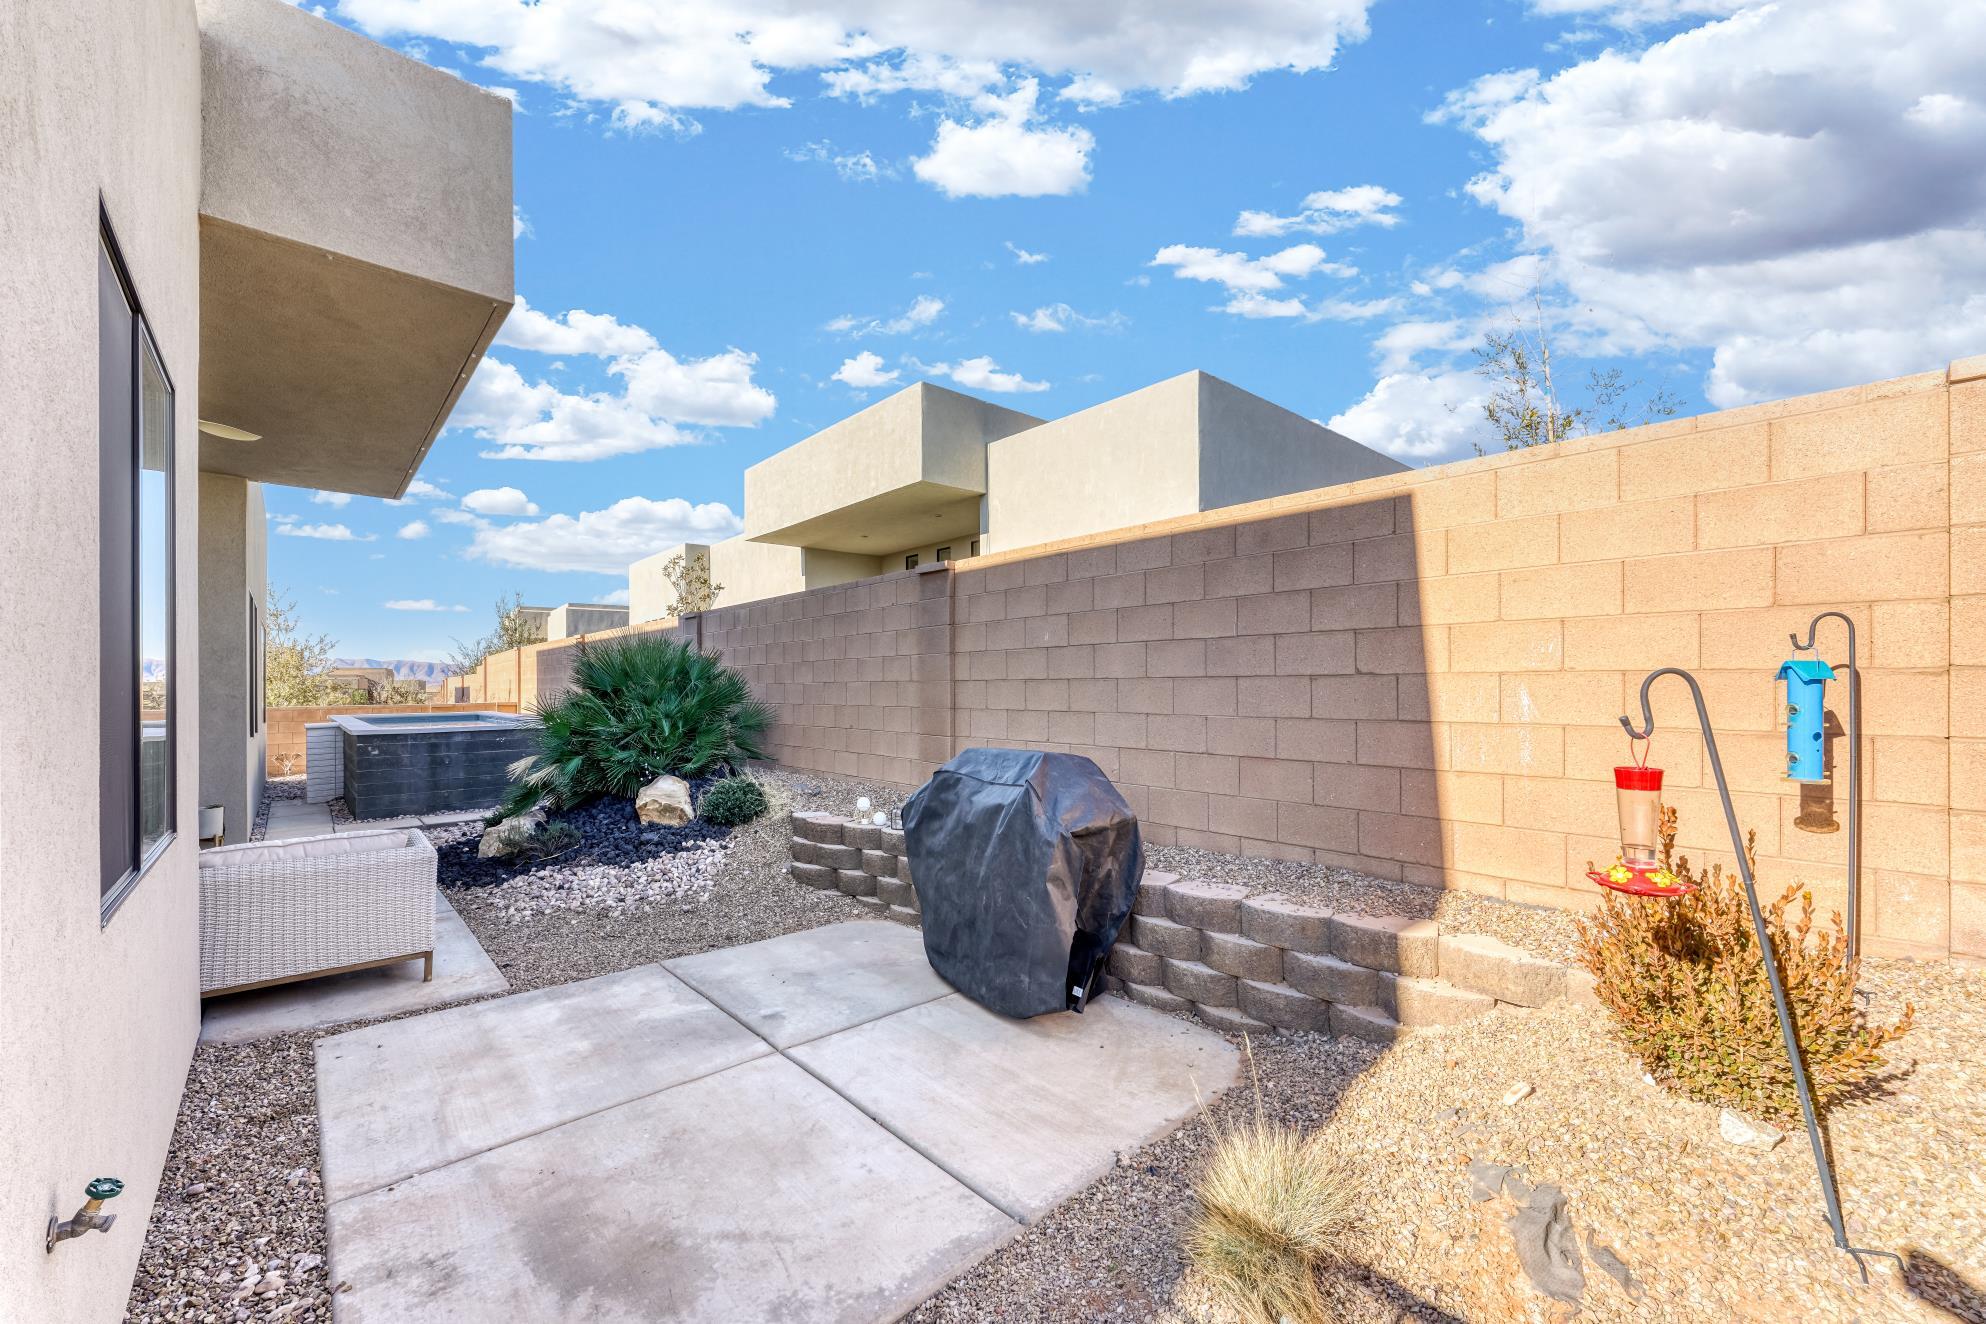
[740,220]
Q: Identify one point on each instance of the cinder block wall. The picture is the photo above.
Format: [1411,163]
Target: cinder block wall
[1419,675]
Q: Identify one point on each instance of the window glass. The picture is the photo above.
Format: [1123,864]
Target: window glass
[154,582]
[944,554]
[910,562]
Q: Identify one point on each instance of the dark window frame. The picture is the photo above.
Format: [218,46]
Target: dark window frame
[910,561]
[113,892]
[944,554]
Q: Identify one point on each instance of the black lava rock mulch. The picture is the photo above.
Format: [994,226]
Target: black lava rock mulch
[609,834]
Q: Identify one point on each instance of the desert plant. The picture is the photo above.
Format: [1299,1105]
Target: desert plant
[733,801]
[1275,1207]
[689,578]
[639,706]
[1687,991]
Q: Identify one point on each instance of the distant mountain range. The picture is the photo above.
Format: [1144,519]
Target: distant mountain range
[403,668]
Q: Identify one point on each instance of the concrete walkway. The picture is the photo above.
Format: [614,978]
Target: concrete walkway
[809,1128]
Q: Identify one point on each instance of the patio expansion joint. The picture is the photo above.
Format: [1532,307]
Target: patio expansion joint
[894,1133]
[576,1117]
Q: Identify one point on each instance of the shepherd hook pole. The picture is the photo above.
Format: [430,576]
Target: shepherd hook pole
[1767,953]
[1854,770]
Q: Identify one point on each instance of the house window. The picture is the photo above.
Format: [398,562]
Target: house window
[137,675]
[974,549]
[944,555]
[910,562]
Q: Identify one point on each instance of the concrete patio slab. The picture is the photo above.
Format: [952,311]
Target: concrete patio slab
[1026,1113]
[752,1194]
[410,1095]
[461,970]
[804,985]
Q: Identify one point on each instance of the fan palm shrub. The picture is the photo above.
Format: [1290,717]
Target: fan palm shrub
[640,706]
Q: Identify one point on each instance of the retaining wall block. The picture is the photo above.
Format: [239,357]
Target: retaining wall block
[1284,1007]
[1330,979]
[806,851]
[1200,983]
[1151,995]
[1368,1023]
[903,867]
[863,836]
[1291,925]
[897,893]
[839,857]
[905,915]
[872,903]
[893,841]
[814,875]
[1153,889]
[879,862]
[1215,907]
[1232,954]
[825,828]
[1135,965]
[1581,989]
[1229,1021]
[1393,943]
[855,882]
[1506,973]
[1416,1002]
[1175,941]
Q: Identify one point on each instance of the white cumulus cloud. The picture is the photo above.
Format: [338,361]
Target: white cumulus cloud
[923,311]
[981,374]
[865,372]
[1327,212]
[331,498]
[413,529]
[499,501]
[1415,415]
[1054,317]
[1023,257]
[323,532]
[1004,153]
[419,604]
[604,541]
[573,332]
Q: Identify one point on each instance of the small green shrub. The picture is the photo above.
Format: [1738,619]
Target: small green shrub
[732,801]
[639,706]
[1684,983]
[1275,1207]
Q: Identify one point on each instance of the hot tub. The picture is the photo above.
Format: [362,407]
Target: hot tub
[397,764]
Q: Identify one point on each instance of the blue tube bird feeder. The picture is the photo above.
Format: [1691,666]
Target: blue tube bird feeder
[1806,717]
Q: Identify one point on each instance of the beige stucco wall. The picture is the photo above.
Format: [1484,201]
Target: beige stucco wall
[1123,462]
[97,1024]
[234,559]
[573,618]
[1252,449]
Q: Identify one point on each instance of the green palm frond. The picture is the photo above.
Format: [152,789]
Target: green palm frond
[640,706]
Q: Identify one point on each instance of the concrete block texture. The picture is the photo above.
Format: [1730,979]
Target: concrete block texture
[1368,1023]
[1284,1007]
[855,882]
[1493,967]
[1393,943]
[1156,997]
[818,827]
[1229,1020]
[880,863]
[1177,942]
[1415,1003]
[1200,983]
[1212,906]
[1135,965]
[1332,980]
[1244,958]
[1153,890]
[813,875]
[839,857]
[1292,925]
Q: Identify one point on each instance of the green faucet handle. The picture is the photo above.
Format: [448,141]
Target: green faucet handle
[104,1188]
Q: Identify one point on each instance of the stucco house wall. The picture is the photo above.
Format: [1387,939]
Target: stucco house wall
[97,1022]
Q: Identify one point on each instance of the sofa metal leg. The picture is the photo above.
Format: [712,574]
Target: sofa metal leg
[427,967]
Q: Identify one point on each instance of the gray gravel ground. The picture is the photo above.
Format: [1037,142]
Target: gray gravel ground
[1712,1233]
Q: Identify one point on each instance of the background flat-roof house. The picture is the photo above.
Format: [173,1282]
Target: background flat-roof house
[243,245]
[932,475]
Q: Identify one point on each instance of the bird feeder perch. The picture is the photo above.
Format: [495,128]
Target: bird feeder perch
[1639,871]
[1806,717]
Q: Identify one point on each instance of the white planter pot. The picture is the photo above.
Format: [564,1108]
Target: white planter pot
[210,821]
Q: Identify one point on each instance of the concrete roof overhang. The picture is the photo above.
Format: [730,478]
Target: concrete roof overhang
[355,248]
[913,515]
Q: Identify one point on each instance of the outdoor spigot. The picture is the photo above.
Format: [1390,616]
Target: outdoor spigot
[90,1218]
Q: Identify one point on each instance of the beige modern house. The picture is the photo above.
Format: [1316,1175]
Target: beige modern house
[242,245]
[931,475]
[571,619]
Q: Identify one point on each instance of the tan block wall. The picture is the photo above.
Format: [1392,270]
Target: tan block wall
[1420,675]
[284,726]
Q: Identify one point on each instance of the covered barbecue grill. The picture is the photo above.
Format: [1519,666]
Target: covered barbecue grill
[1026,865]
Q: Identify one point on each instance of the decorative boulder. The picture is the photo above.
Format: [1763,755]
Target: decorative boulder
[502,840]
[666,800]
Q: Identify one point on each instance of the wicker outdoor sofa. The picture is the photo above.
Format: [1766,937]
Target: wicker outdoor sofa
[274,912]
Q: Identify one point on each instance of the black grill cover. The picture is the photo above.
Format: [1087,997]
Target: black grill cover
[1026,865]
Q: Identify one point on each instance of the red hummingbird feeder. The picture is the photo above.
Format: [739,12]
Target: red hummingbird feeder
[1639,871]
